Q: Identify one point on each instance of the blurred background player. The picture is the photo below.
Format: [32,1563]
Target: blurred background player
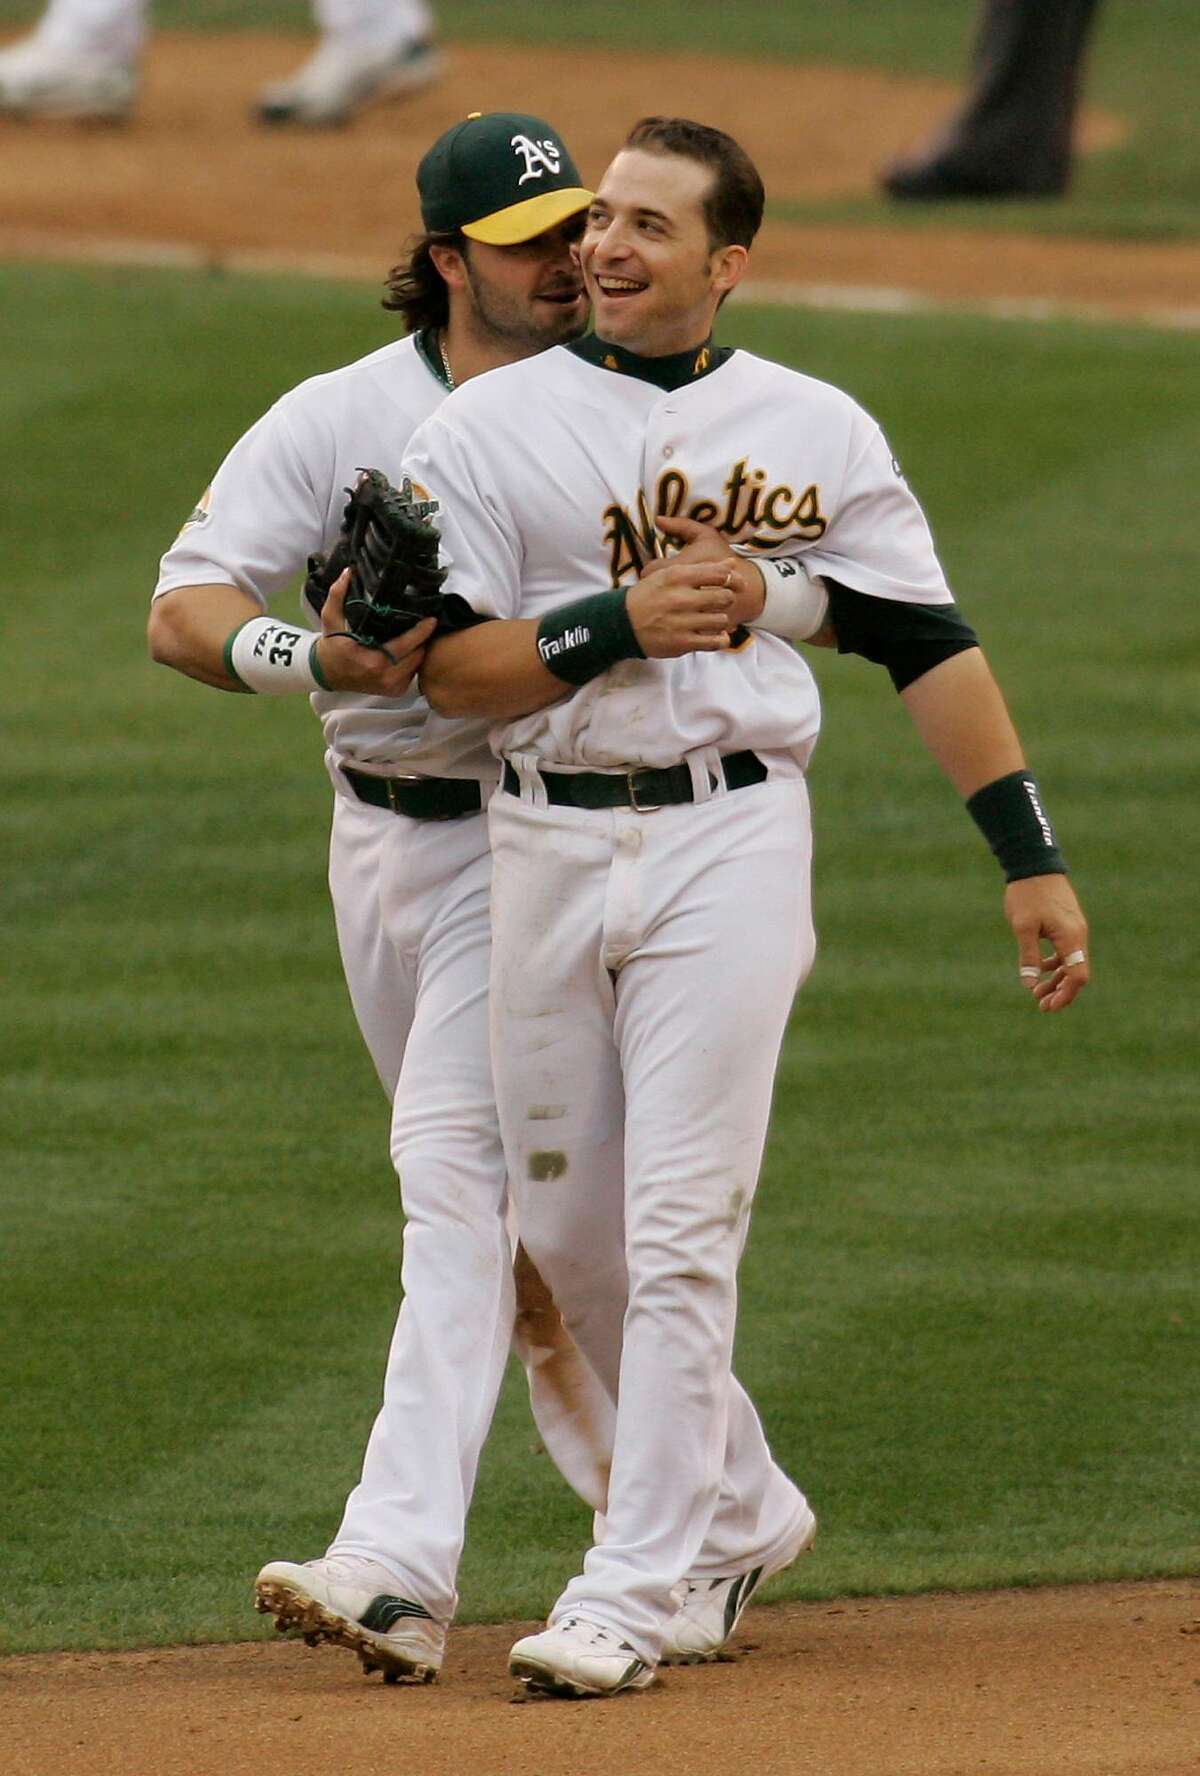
[81,61]
[1012,135]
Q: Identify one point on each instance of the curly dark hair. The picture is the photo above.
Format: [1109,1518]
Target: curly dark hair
[733,208]
[415,287]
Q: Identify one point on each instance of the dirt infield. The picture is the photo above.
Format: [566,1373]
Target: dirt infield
[192,181]
[1089,1681]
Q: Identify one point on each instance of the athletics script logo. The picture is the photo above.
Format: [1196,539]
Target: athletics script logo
[539,157]
[759,513]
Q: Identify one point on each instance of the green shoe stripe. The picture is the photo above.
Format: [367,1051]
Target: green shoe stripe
[739,1596]
[383,1612]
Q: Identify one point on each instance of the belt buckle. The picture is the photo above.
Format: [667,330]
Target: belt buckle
[391,782]
[640,807]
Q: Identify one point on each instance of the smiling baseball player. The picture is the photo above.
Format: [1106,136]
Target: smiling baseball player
[651,842]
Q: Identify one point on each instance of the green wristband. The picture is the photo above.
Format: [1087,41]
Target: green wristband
[580,640]
[314,665]
[1010,816]
[227,657]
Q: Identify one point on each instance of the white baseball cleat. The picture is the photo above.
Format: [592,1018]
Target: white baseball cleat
[38,79]
[339,78]
[352,1603]
[575,1657]
[710,1609]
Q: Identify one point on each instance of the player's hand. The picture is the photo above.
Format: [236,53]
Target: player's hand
[704,542]
[1044,909]
[385,671]
[685,608]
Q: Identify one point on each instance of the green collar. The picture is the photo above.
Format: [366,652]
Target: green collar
[429,351]
[665,373]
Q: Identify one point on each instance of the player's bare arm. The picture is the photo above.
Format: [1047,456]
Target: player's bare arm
[499,670]
[187,629]
[960,714]
[494,670]
[190,627]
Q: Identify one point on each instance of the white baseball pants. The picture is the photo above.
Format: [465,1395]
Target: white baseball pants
[411,904]
[644,966]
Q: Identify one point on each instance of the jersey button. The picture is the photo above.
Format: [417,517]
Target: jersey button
[668,450]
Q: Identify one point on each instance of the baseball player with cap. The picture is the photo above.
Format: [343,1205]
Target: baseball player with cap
[651,839]
[491,280]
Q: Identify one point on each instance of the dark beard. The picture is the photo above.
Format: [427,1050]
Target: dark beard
[512,325]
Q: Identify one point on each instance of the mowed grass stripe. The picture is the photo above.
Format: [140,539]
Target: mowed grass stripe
[966,1305]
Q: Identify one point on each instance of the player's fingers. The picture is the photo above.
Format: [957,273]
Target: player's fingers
[1029,956]
[1070,977]
[333,615]
[400,675]
[705,601]
[1066,987]
[1064,973]
[684,530]
[695,627]
[408,641]
[700,571]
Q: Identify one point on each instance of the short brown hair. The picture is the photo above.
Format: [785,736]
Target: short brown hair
[416,288]
[733,206]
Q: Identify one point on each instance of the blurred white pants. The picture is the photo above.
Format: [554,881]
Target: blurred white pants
[116,29]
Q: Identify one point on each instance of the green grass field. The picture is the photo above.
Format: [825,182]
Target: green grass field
[969,1309]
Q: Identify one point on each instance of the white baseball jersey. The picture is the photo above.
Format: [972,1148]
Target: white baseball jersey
[550,474]
[278,497]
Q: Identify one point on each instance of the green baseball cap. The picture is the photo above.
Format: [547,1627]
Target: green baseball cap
[500,177]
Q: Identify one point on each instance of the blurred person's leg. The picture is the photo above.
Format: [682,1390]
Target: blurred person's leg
[1012,135]
[79,61]
[368,50]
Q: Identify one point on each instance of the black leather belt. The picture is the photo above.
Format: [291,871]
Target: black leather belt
[420,798]
[642,789]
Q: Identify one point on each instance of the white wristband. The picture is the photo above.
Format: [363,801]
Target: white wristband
[273,657]
[795,605]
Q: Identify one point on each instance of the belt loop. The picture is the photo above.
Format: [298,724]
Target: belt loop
[533,790]
[708,779]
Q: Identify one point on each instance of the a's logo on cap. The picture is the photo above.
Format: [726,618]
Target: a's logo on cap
[539,157]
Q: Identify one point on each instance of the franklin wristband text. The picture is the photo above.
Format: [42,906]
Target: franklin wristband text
[266,655]
[1010,816]
[580,640]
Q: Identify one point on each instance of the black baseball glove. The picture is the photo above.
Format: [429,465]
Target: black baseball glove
[391,549]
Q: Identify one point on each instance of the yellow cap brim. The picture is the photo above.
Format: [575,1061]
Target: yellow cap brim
[524,221]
